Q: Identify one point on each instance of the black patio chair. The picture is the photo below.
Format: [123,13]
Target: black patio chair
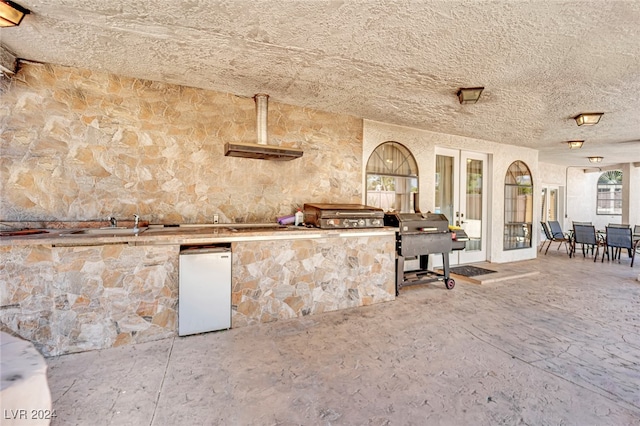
[585,235]
[582,223]
[618,239]
[556,229]
[551,237]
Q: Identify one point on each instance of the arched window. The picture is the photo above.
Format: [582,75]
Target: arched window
[392,178]
[609,199]
[518,207]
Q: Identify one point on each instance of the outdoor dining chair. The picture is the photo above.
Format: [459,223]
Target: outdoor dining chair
[556,230]
[551,237]
[585,235]
[618,239]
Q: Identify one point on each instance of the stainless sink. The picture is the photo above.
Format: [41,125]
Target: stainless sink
[108,231]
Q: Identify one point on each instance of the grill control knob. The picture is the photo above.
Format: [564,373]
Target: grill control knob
[361,222]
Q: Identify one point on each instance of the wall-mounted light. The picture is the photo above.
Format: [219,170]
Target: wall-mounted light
[575,144]
[588,118]
[11,14]
[595,159]
[469,95]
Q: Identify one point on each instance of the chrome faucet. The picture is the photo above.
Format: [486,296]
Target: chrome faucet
[112,221]
[136,221]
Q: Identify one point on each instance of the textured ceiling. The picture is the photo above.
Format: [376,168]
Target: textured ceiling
[541,62]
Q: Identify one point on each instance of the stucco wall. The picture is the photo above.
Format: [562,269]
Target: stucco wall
[631,194]
[552,174]
[582,194]
[83,145]
[634,192]
[422,145]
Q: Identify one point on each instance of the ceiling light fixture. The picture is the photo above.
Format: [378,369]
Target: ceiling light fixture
[588,118]
[11,14]
[575,144]
[595,159]
[469,95]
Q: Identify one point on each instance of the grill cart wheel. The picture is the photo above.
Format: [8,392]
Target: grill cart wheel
[449,283]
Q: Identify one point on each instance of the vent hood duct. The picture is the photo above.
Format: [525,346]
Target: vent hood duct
[261,150]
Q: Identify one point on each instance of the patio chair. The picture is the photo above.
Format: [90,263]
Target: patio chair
[618,225]
[556,229]
[582,223]
[585,235]
[618,239]
[551,237]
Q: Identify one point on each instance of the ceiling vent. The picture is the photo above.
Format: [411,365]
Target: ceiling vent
[261,150]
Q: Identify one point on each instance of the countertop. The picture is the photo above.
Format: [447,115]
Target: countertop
[186,234]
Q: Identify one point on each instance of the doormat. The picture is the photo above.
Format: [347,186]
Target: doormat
[469,271]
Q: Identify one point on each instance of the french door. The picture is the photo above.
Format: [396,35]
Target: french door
[550,204]
[461,195]
[552,208]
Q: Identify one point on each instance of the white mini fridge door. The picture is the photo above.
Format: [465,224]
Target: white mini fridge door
[204,301]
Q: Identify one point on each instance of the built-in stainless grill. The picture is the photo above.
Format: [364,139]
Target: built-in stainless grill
[419,235]
[343,216]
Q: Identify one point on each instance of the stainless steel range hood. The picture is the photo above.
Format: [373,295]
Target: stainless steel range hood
[261,150]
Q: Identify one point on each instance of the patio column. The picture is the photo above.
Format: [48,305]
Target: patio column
[631,193]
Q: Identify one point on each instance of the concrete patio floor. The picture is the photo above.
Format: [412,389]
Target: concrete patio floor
[560,347]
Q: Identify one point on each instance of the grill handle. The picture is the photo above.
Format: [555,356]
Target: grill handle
[358,214]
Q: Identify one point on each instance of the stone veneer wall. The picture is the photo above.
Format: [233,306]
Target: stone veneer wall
[282,279]
[72,299]
[68,299]
[82,145]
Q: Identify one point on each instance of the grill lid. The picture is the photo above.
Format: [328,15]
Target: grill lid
[417,222]
[344,210]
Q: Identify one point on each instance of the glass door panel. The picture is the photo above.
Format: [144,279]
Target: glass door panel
[553,204]
[446,187]
[472,224]
[473,206]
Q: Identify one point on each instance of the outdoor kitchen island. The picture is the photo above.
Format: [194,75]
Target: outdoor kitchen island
[69,292]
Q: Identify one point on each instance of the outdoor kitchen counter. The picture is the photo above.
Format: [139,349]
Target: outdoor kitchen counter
[184,235]
[69,293]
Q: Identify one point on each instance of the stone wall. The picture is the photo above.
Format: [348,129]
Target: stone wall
[281,279]
[83,145]
[67,299]
[73,299]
